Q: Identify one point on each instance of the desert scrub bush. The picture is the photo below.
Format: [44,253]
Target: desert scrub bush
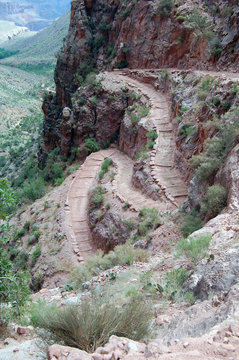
[191,223]
[126,205]
[97,197]
[91,324]
[92,145]
[214,201]
[121,255]
[194,248]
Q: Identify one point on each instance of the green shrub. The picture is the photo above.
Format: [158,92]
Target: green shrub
[91,324]
[165,6]
[173,283]
[181,19]
[27,225]
[107,206]
[33,189]
[121,255]
[152,135]
[32,240]
[105,167]
[92,145]
[142,111]
[126,205]
[216,101]
[21,260]
[134,119]
[143,154]
[187,130]
[37,234]
[59,181]
[194,248]
[101,174]
[150,145]
[189,298]
[149,220]
[35,255]
[214,201]
[200,23]
[191,223]
[129,224]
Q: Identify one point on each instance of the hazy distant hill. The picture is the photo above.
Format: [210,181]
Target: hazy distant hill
[35,14]
[40,48]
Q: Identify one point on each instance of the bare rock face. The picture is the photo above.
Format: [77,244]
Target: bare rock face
[228,176]
[99,114]
[109,231]
[142,179]
[51,130]
[211,277]
[132,138]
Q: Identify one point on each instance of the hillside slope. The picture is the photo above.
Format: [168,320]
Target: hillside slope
[39,48]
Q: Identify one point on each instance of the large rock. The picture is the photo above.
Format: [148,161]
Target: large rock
[229,178]
[59,352]
[211,277]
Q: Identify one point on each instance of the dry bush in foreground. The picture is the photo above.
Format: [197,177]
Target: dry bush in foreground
[90,325]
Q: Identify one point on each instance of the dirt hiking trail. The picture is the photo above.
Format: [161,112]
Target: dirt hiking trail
[165,175]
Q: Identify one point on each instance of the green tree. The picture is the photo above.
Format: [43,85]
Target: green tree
[7,198]
[13,284]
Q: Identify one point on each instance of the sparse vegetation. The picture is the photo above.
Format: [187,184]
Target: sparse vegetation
[121,255]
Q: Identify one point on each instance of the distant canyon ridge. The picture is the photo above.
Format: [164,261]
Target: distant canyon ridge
[33,14]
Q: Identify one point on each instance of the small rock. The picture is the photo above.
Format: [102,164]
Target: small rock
[185,345]
[96,357]
[228,347]
[131,346]
[22,330]
[225,340]
[15,350]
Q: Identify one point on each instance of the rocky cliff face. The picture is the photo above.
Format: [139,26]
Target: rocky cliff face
[106,34]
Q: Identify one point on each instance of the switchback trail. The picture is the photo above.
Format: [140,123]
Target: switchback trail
[162,168]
